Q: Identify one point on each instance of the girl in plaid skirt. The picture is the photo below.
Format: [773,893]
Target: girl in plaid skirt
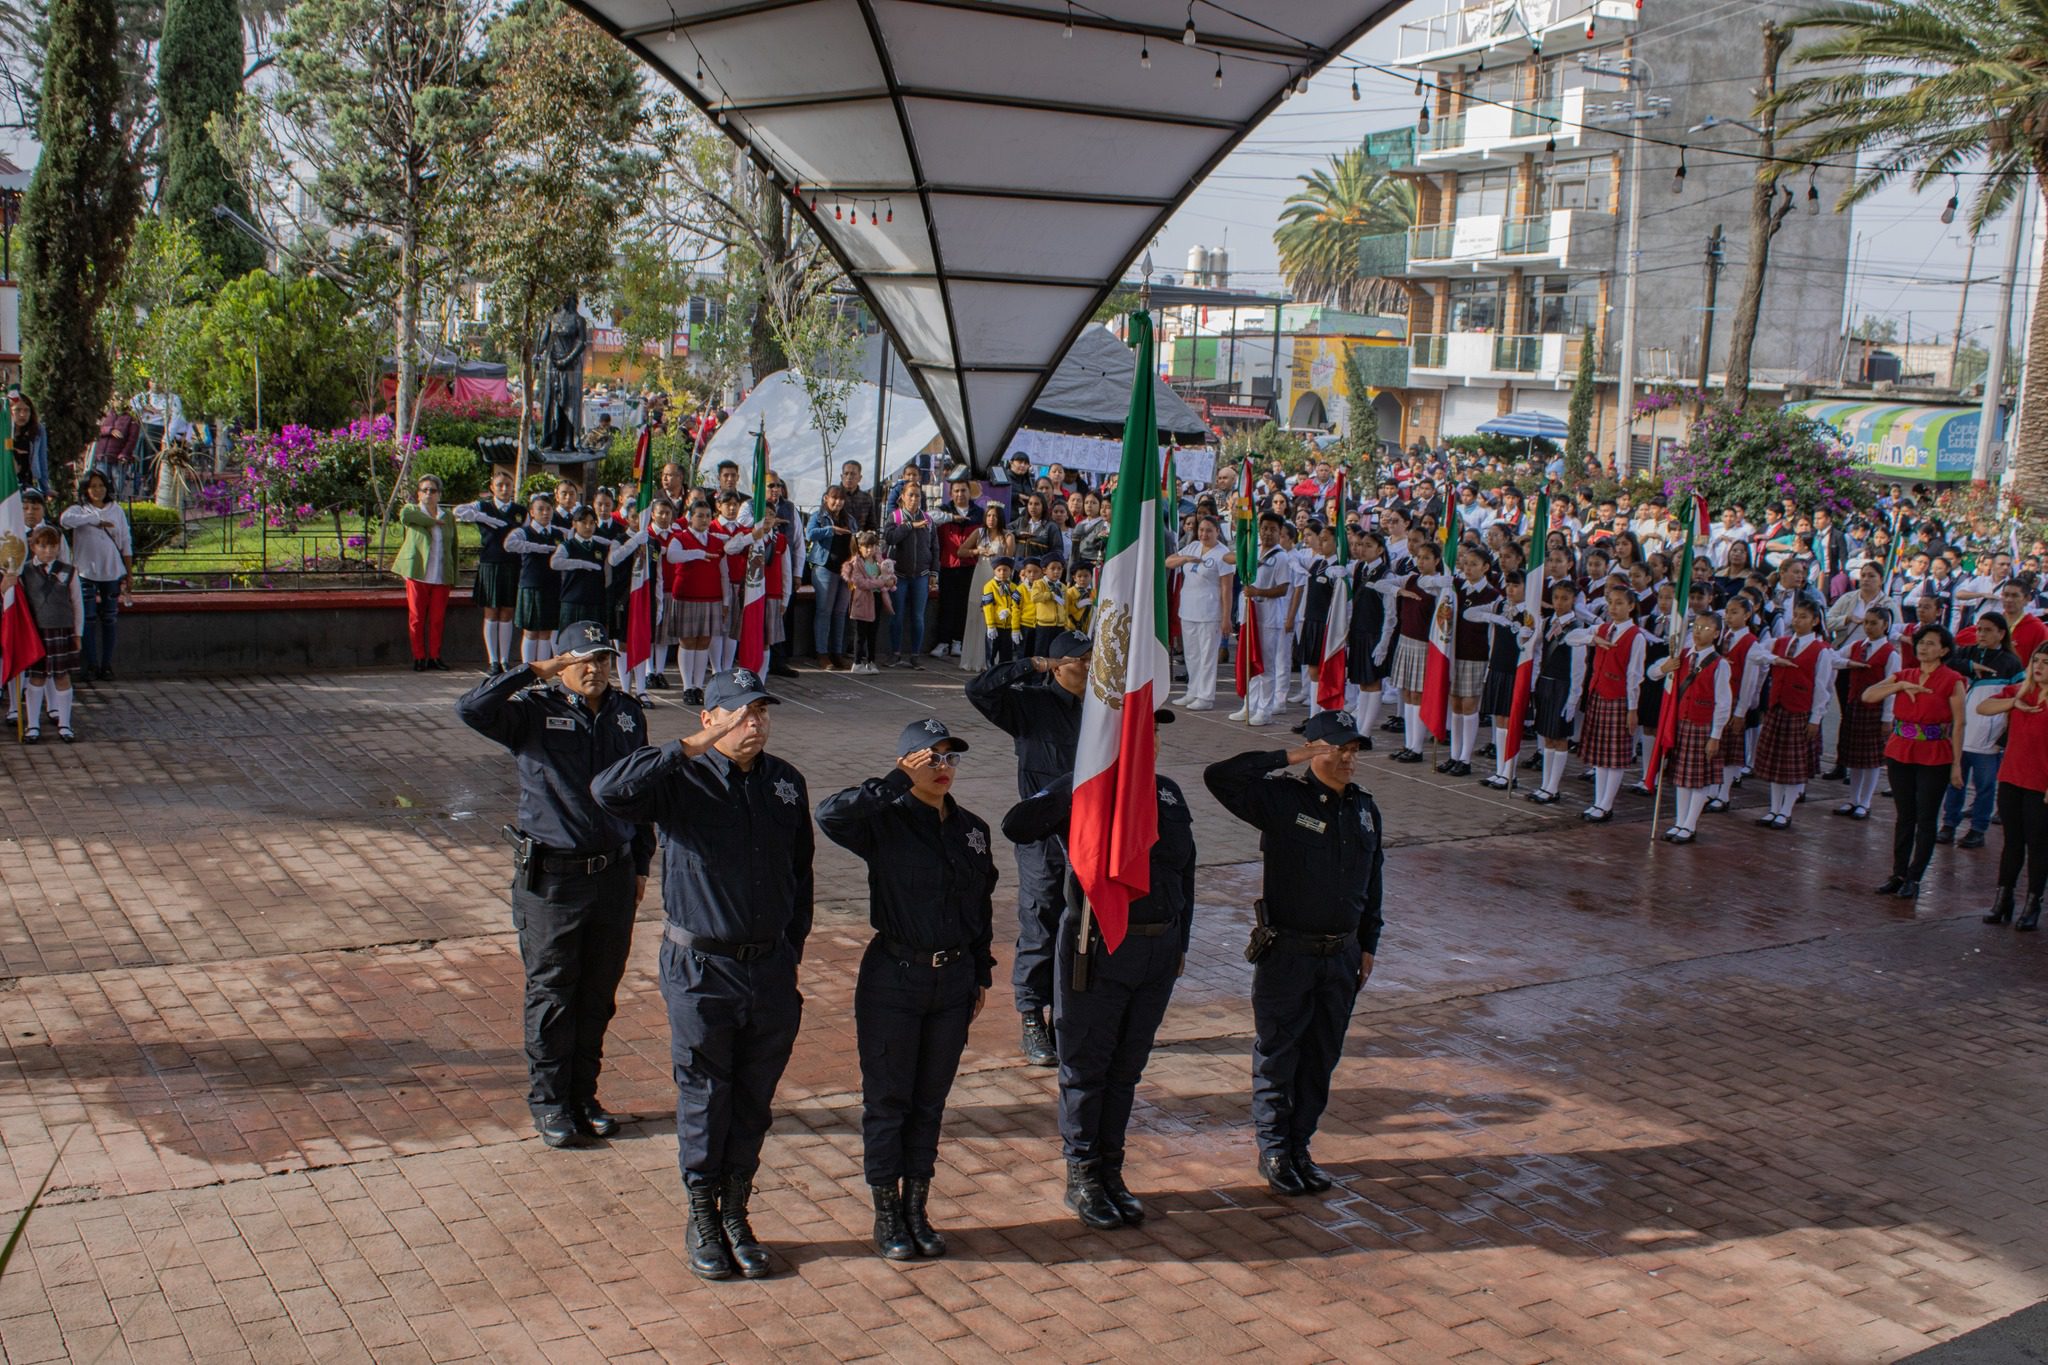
[1700,693]
[57,605]
[1740,647]
[1871,658]
[1608,741]
[1788,742]
[1560,684]
[1470,651]
[1415,604]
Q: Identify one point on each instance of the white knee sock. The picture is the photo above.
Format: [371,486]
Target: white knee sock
[1606,786]
[1863,790]
[60,703]
[491,654]
[508,638]
[1503,761]
[34,693]
[1691,801]
[1783,795]
[636,678]
[1464,737]
[544,649]
[660,662]
[1411,727]
[1553,769]
[722,651]
[1749,749]
[1366,712]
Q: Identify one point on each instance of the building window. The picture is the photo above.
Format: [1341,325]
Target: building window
[1484,192]
[1587,184]
[1500,85]
[1560,303]
[1559,74]
[1475,306]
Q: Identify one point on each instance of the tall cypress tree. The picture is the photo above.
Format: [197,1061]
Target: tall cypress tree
[199,74]
[76,218]
[1578,442]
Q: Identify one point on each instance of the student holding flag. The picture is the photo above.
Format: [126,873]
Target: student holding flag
[1698,701]
[1366,654]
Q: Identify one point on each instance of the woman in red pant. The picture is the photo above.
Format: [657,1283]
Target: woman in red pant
[426,561]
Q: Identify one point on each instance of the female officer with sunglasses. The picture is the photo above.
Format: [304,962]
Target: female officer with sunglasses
[931,884]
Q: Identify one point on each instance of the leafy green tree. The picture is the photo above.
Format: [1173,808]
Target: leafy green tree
[294,344]
[824,357]
[383,101]
[562,173]
[1322,224]
[1578,441]
[77,216]
[153,318]
[1763,455]
[199,78]
[1361,418]
[1931,87]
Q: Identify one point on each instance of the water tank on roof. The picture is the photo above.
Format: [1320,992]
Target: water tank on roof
[1881,367]
[1198,264]
[1219,268]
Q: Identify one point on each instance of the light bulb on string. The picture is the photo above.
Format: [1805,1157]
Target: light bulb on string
[1678,176]
[1067,29]
[1422,120]
[1550,151]
[1948,210]
[892,212]
[836,216]
[1589,28]
[721,116]
[1219,73]
[1812,197]
[1354,87]
[1418,85]
[1187,35]
[671,36]
[1145,53]
[1301,86]
[874,218]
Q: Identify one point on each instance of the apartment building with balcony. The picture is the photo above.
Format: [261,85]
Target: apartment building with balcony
[1523,190]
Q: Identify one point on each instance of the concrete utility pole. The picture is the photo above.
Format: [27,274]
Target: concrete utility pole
[1955,348]
[1640,108]
[1994,371]
[1763,225]
[1714,258]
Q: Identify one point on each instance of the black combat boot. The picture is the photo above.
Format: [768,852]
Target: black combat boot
[705,1239]
[892,1238]
[1036,1041]
[1086,1197]
[2001,908]
[1127,1204]
[747,1252]
[929,1241]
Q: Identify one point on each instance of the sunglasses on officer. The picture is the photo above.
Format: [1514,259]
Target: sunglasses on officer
[946,758]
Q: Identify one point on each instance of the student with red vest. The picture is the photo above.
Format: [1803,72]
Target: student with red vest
[697,594]
[1607,742]
[1745,680]
[1788,741]
[2023,791]
[1700,690]
[1471,649]
[1924,753]
[1415,605]
[1871,658]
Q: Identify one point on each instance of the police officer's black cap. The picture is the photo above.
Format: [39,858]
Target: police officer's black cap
[583,640]
[1331,727]
[928,734]
[736,688]
[1069,644]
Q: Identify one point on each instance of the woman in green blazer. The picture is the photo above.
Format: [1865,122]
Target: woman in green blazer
[426,561]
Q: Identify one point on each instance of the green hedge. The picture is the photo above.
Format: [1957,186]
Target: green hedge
[447,429]
[461,473]
[151,528]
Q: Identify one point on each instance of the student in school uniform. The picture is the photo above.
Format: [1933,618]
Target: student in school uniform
[666,574]
[1267,591]
[698,602]
[2022,792]
[1700,691]
[731,527]
[1312,616]
[1744,649]
[653,539]
[1788,739]
[1415,604]
[1039,613]
[496,589]
[581,560]
[56,604]
[1205,571]
[611,532]
[1507,627]
[1922,755]
[538,611]
[1986,666]
[1081,610]
[1002,612]
[1658,614]
[1470,654]
[1367,653]
[1607,741]
[1873,657]
[1560,685]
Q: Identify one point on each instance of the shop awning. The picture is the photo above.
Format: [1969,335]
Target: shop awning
[1900,440]
[985,170]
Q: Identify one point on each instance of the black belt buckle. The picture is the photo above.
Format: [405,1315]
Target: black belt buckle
[944,956]
[751,952]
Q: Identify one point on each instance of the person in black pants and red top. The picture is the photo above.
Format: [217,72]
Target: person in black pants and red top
[1924,753]
[2023,791]
[926,972]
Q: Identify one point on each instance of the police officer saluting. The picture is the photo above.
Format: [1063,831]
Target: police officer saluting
[931,879]
[1042,714]
[1108,1006]
[1317,930]
[579,870]
[736,889]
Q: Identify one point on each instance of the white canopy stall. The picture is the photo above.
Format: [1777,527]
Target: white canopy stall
[985,170]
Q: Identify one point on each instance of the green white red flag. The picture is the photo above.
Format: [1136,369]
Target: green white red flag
[1690,518]
[639,642]
[1245,526]
[21,644]
[1116,805]
[1332,671]
[1443,639]
[1533,598]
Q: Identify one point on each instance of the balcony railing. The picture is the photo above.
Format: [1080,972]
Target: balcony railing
[1428,352]
[1446,133]
[1525,236]
[1535,122]
[1431,243]
[1518,354]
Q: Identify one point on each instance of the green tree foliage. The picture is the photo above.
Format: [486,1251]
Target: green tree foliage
[1322,224]
[1763,455]
[77,216]
[1578,441]
[199,78]
[1361,418]
[300,337]
[561,170]
[152,319]
[824,357]
[1930,87]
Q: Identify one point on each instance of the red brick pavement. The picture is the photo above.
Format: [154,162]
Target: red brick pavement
[1601,1102]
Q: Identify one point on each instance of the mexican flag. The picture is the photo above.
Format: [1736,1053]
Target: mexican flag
[639,643]
[1116,802]
[1245,527]
[1689,519]
[1331,673]
[1443,639]
[752,652]
[1533,593]
[21,644]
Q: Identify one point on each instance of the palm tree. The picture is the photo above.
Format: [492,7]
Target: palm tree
[1930,88]
[1323,223]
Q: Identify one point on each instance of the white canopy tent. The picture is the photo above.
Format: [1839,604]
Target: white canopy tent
[794,450]
[985,170]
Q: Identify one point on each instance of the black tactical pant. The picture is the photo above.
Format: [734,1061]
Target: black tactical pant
[732,1026]
[1041,897]
[911,1020]
[1301,1009]
[574,934]
[1105,1035]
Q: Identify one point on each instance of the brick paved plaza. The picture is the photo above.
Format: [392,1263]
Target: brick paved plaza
[1602,1100]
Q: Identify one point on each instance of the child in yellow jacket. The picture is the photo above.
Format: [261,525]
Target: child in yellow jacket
[1002,612]
[1044,609]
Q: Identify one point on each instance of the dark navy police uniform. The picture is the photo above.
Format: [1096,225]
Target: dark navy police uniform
[1106,1029]
[576,923]
[1322,876]
[1044,720]
[931,882]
